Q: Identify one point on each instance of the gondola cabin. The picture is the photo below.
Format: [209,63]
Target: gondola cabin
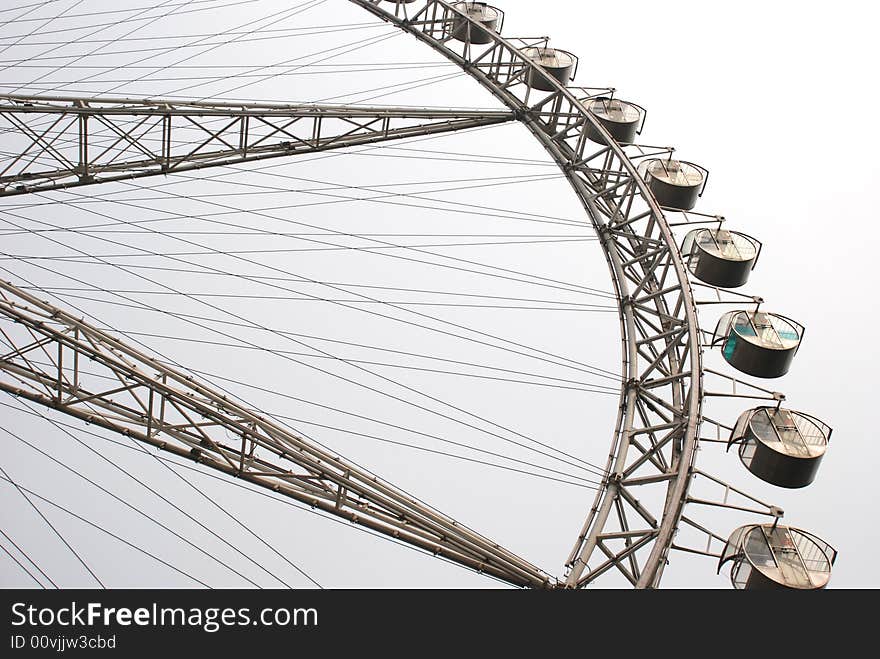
[758,343]
[775,557]
[486,17]
[780,446]
[554,63]
[675,184]
[619,118]
[719,257]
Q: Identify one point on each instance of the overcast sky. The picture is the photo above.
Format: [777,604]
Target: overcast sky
[773,98]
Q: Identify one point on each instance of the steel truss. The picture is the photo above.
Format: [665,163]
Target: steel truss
[66,142]
[657,430]
[167,408]
[656,434]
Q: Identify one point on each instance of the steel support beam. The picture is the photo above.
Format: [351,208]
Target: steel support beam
[59,142]
[169,409]
[660,365]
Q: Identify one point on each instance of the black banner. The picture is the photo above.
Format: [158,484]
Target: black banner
[134,622]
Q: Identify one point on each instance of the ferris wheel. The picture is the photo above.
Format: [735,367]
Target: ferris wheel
[651,500]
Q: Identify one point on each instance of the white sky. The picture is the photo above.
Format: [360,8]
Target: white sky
[774,99]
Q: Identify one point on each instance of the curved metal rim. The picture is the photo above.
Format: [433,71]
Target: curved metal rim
[691,399]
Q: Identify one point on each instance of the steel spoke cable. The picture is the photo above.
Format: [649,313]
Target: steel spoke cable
[577,481]
[242,485]
[173,505]
[100,227]
[229,171]
[98,527]
[504,214]
[17,562]
[358,66]
[277,499]
[362,44]
[590,467]
[284,297]
[143,307]
[43,158]
[46,22]
[223,273]
[336,520]
[132,507]
[595,370]
[534,178]
[77,58]
[381,315]
[261,213]
[235,3]
[585,387]
[276,16]
[55,84]
[425,154]
[233,518]
[377,301]
[24,493]
[380,198]
[173,96]
[262,189]
[425,434]
[507,213]
[567,460]
[266,34]
[377,421]
[28,408]
[105,71]
[577,365]
[140,306]
[297,234]
[294,250]
[390,89]
[31,7]
[355,46]
[92,14]
[233,210]
[266,169]
[230,393]
[571,306]
[29,559]
[326,186]
[471,156]
[72,41]
[600,389]
[224,73]
[581,480]
[325,54]
[359,368]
